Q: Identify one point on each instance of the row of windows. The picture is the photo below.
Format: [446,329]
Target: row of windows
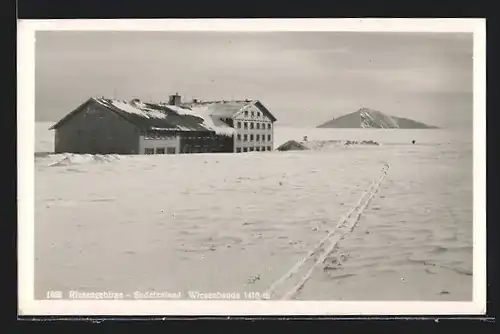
[257,125]
[159,150]
[257,137]
[251,149]
[198,138]
[252,113]
[152,137]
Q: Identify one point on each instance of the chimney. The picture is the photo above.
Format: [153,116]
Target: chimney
[175,100]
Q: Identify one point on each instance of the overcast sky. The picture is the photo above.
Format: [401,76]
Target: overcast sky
[304,78]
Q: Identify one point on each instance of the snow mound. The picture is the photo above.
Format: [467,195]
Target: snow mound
[317,145]
[69,159]
[292,145]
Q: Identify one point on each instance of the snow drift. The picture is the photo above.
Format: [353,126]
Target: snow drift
[67,159]
[291,145]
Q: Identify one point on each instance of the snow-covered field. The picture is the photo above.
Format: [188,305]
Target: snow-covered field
[239,222]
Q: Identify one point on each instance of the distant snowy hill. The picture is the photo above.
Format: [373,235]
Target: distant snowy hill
[369,118]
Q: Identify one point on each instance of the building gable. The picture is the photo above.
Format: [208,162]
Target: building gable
[263,108]
[256,106]
[87,106]
[70,115]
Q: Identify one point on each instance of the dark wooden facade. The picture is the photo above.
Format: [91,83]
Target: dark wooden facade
[95,130]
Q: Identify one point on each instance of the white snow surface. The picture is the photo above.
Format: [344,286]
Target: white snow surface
[215,222]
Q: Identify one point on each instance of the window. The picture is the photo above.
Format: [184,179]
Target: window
[239,137]
[263,148]
[245,149]
[251,125]
[269,148]
[149,151]
[238,150]
[257,137]
[251,149]
[257,148]
[251,137]
[268,137]
[160,150]
[252,114]
[245,125]
[258,114]
[263,138]
[246,113]
[245,137]
[170,150]
[257,126]
[239,125]
[269,126]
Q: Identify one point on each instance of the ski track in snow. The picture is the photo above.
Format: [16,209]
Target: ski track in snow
[320,252]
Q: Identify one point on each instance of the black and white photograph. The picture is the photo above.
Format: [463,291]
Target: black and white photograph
[252,166]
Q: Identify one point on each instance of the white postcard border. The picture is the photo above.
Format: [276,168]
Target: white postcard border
[25,139]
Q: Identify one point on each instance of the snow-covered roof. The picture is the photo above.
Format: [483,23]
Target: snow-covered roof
[211,116]
[227,109]
[157,116]
[170,113]
[220,108]
[199,116]
[136,107]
